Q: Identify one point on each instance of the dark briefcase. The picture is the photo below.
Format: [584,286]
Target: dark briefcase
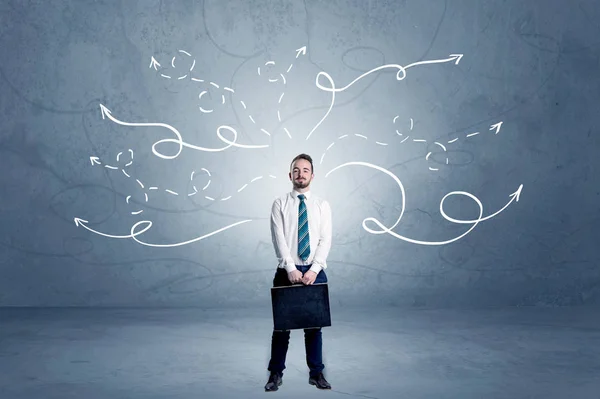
[300,306]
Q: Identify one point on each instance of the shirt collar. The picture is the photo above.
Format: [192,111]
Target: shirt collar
[295,194]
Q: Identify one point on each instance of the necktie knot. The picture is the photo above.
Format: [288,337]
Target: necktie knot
[301,196]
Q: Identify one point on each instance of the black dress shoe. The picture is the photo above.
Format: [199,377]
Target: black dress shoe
[275,380]
[319,381]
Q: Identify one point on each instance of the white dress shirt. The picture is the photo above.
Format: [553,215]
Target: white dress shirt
[284,231]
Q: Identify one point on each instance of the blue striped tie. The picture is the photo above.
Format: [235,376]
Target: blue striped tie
[303,237]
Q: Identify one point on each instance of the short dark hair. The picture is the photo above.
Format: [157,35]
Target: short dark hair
[306,157]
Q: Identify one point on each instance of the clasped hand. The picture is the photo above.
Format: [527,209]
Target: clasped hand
[295,276]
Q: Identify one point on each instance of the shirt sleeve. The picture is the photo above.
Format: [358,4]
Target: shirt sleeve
[282,252]
[322,251]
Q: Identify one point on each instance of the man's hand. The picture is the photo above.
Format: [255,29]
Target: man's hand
[309,277]
[295,276]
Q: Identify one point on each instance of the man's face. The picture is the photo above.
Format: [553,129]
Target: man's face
[301,174]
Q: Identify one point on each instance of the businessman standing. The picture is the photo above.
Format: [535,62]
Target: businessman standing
[301,234]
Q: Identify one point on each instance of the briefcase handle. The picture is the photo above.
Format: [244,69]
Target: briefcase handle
[296,284]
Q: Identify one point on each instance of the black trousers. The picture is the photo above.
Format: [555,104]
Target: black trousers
[313,340]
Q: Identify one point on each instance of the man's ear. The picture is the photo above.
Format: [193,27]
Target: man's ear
[290,175]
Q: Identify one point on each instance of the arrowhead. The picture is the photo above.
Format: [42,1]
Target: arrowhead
[517,193]
[458,57]
[105,111]
[153,63]
[95,160]
[497,127]
[301,50]
[79,221]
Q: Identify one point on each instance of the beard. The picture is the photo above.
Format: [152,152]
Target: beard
[301,183]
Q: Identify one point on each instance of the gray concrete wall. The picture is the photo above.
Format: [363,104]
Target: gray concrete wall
[532,66]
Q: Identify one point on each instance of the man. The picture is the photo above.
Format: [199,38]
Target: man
[301,234]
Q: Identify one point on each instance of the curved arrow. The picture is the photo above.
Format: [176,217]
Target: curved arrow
[106,113]
[384,229]
[400,75]
[83,223]
[514,197]
[133,234]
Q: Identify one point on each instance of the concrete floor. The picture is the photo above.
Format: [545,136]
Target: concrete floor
[385,353]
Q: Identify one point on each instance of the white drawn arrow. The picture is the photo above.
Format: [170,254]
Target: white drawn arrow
[133,234]
[83,223]
[301,50]
[400,75]
[106,113]
[384,229]
[496,126]
[95,160]
[453,57]
[154,64]
[513,197]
